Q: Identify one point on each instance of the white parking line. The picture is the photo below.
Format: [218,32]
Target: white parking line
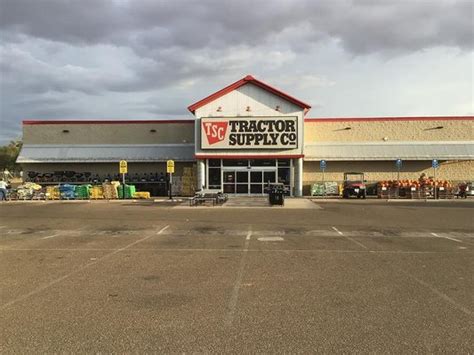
[163,229]
[249,234]
[443,236]
[79,269]
[238,281]
[440,294]
[270,239]
[50,236]
[349,238]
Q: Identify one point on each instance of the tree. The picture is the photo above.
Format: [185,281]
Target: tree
[8,155]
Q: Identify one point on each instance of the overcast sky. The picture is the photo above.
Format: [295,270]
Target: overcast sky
[150,59]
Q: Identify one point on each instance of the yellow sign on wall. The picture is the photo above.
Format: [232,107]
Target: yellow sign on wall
[170,166]
[123,167]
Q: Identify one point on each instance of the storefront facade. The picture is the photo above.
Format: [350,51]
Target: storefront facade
[245,136]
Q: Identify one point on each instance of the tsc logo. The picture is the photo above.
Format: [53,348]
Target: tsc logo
[215,131]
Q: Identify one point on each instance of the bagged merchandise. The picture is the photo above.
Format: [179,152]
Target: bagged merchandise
[332,188]
[82,192]
[110,190]
[142,194]
[317,189]
[129,191]
[328,188]
[177,186]
[96,192]
[28,191]
[189,181]
[67,192]
[52,193]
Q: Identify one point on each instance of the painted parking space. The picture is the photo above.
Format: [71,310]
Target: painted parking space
[208,277]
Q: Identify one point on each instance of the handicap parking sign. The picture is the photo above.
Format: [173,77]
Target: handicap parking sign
[435,164]
[322,164]
[399,163]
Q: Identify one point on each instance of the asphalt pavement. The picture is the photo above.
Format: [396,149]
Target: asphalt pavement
[328,276]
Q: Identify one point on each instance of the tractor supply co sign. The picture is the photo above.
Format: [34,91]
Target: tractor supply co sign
[249,133]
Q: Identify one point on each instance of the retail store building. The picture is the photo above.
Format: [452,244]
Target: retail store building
[246,135]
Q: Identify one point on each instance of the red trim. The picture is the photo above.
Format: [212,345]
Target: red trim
[244,156]
[47,122]
[248,79]
[377,119]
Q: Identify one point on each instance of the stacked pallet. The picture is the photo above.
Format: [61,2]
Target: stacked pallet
[326,188]
[96,193]
[67,192]
[177,185]
[142,195]
[82,192]
[52,193]
[189,181]
[129,191]
[109,190]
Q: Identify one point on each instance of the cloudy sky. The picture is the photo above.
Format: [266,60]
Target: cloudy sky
[150,59]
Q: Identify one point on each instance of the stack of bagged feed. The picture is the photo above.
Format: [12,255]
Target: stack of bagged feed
[326,188]
[52,193]
[177,185]
[82,192]
[110,190]
[96,192]
[189,181]
[67,192]
[28,190]
[142,195]
[129,191]
[331,187]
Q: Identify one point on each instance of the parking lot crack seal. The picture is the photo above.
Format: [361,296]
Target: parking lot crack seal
[238,282]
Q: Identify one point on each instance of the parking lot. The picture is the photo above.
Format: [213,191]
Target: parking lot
[345,276]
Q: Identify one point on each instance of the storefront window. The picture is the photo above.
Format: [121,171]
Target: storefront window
[283,162]
[235,162]
[215,162]
[256,188]
[214,178]
[242,176]
[268,177]
[262,162]
[256,176]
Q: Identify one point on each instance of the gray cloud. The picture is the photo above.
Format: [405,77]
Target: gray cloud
[361,26]
[116,58]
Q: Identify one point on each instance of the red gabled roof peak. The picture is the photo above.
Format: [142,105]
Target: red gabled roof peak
[248,79]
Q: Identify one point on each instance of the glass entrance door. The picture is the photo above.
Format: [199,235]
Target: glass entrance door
[247,181]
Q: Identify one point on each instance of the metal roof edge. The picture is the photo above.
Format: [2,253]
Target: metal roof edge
[389,143]
[388,118]
[464,158]
[164,145]
[77,121]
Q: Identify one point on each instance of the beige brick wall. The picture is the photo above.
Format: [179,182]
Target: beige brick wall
[385,170]
[421,130]
[128,133]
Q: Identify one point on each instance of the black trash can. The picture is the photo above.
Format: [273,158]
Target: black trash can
[276,194]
